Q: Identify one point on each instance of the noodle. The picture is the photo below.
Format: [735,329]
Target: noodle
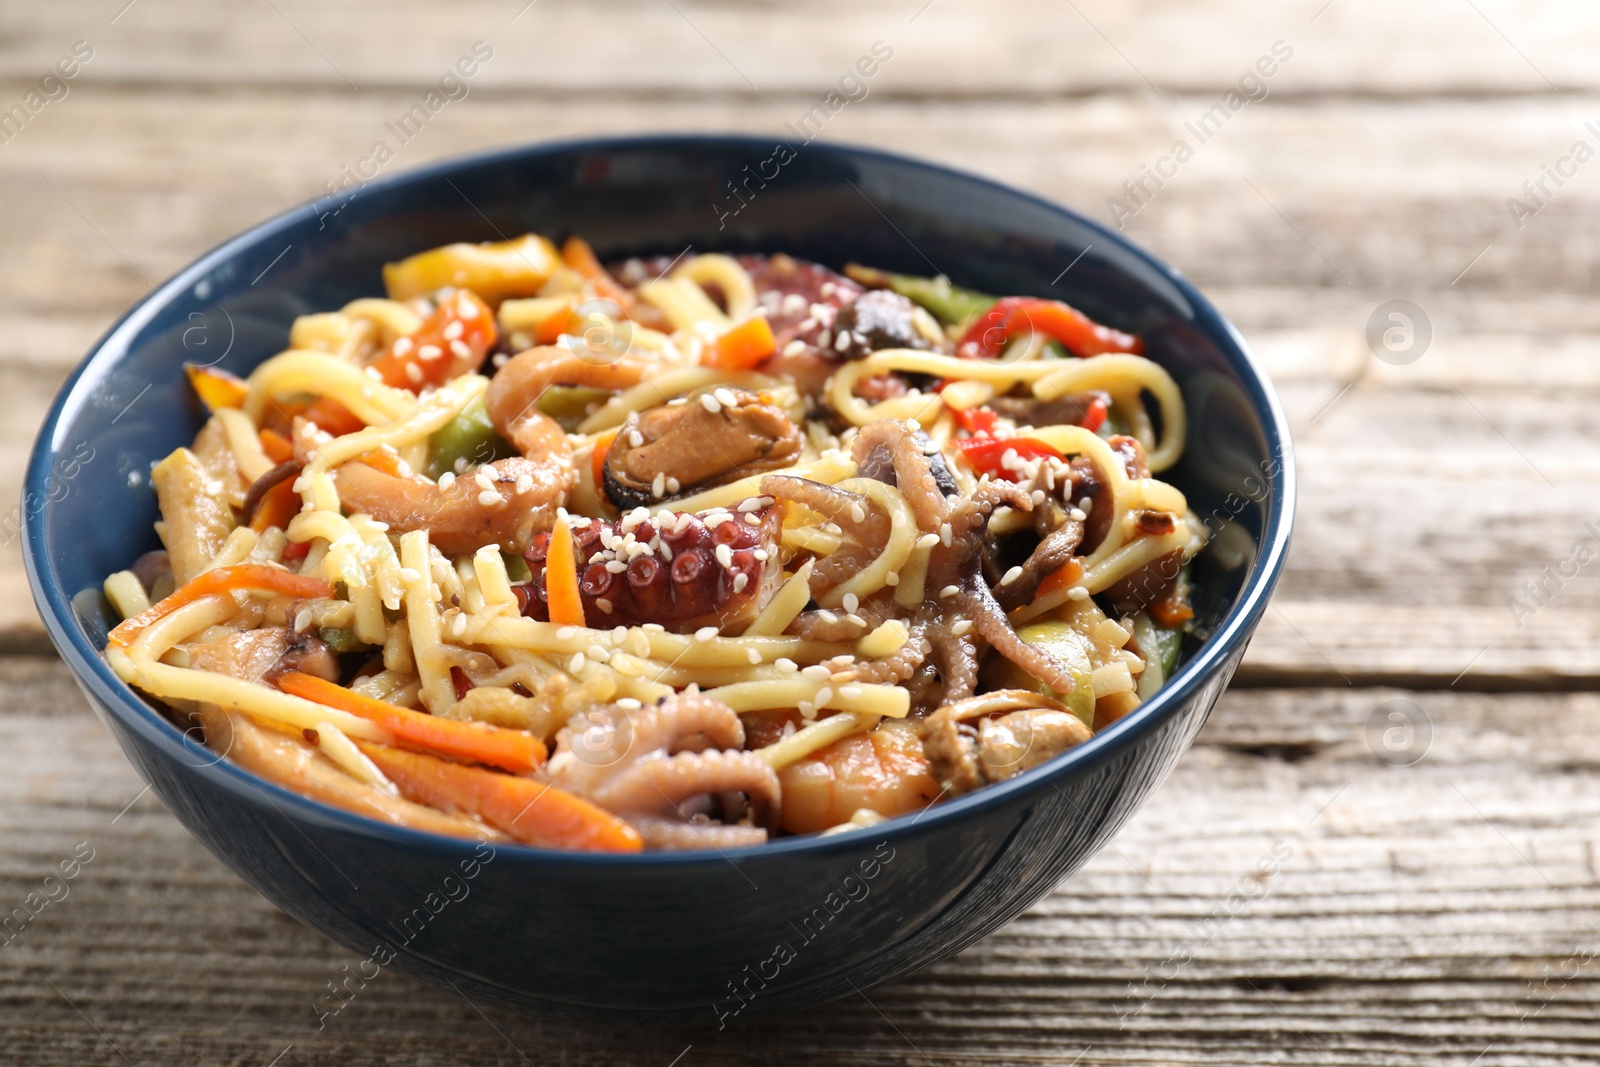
[952,508]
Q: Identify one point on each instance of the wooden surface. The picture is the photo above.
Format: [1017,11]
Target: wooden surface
[1442,912]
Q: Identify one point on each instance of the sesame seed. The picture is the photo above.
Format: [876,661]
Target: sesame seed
[725,556]
[566,633]
[658,486]
[489,498]
[945,533]
[604,605]
[828,616]
[753,504]
[576,663]
[1077,592]
[739,582]
[762,554]
[428,352]
[458,626]
[653,627]
[598,652]
[213,488]
[752,518]
[726,398]
[466,309]
[816,672]
[841,342]
[710,403]
[825,339]
[1076,515]
[753,656]
[629,703]
[892,578]
[673,485]
[786,665]
[525,484]
[705,633]
[616,566]
[483,480]
[795,347]
[927,540]
[1011,575]
[1037,496]
[452,331]
[401,347]
[851,602]
[409,574]
[460,350]
[961,627]
[850,692]
[948,591]
[858,513]
[302,620]
[635,438]
[824,695]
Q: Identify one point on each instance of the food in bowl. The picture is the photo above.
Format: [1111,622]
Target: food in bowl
[674,554]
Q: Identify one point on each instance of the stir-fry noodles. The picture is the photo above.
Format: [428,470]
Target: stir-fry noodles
[682,554]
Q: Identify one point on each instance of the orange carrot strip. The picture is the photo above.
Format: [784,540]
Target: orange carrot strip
[387,462]
[514,750]
[1172,610]
[215,387]
[742,347]
[553,325]
[597,459]
[278,505]
[451,341]
[1066,575]
[561,578]
[578,255]
[332,416]
[276,446]
[532,812]
[254,576]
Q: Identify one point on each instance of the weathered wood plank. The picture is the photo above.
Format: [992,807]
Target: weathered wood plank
[1414,915]
[705,47]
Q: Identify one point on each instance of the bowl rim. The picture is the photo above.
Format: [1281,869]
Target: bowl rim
[133,713]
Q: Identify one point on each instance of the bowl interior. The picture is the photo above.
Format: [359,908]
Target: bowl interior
[89,506]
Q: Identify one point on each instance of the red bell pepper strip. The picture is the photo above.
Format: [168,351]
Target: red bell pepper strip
[1081,335]
[978,420]
[984,454]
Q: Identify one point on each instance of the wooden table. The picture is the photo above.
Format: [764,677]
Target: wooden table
[1308,887]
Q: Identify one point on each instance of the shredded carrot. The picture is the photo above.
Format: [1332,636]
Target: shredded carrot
[577,254]
[1172,610]
[561,578]
[216,388]
[514,750]
[332,416]
[277,506]
[597,459]
[1066,575]
[387,462]
[553,325]
[252,576]
[276,446]
[532,812]
[742,347]
[451,341]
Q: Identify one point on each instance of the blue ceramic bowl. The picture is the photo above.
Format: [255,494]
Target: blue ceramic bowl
[697,938]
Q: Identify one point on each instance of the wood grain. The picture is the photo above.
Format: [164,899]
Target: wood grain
[1411,917]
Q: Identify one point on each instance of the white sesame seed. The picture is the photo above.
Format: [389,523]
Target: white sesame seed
[635,438]
[598,652]
[726,398]
[1011,575]
[673,484]
[458,626]
[795,347]
[753,656]
[409,574]
[961,627]
[786,665]
[851,602]
[658,486]
[1077,592]
[629,703]
[452,331]
[1076,515]
[705,633]
[762,555]
[401,347]
[460,349]
[858,513]
[850,692]
[824,695]
[827,616]
[429,352]
[753,504]
[945,533]
[725,556]
[616,566]
[927,540]
[948,591]
[302,620]
[489,498]
[892,578]
[739,582]
[710,403]
[566,633]
[604,605]
[525,484]
[653,627]
[816,672]
[576,663]
[841,342]
[483,480]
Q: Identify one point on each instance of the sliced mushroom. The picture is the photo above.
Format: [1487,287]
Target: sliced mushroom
[996,736]
[878,319]
[1063,411]
[707,438]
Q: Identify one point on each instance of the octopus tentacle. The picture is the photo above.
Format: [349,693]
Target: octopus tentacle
[458,519]
[683,836]
[901,664]
[871,531]
[657,786]
[512,399]
[912,468]
[1047,557]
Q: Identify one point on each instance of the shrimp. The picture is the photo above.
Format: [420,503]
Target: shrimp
[883,771]
[513,396]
